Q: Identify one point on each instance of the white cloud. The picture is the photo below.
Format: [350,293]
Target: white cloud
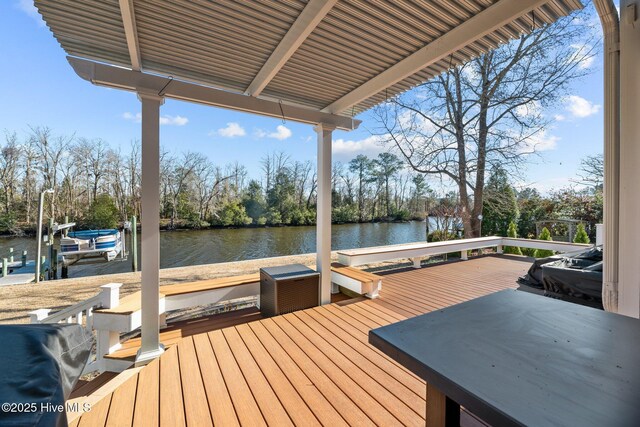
[136,118]
[559,117]
[28,7]
[345,150]
[540,142]
[173,120]
[164,120]
[580,107]
[530,109]
[232,130]
[281,133]
[583,56]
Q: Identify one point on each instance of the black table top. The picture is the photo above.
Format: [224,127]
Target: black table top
[290,271]
[515,358]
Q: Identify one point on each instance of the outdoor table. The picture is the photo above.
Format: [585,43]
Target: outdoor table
[514,358]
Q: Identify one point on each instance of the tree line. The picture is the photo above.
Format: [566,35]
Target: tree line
[98,185]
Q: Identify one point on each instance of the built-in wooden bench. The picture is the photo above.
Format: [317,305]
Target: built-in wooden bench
[356,280]
[419,250]
[127,305]
[125,315]
[178,330]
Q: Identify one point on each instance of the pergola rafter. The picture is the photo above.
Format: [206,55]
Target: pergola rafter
[307,21]
[130,31]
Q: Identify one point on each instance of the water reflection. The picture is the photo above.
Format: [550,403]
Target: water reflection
[183,248]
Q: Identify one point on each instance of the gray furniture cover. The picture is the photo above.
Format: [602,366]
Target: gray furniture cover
[39,366]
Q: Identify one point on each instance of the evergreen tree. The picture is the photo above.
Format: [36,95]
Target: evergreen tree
[543,253]
[103,213]
[499,206]
[512,233]
[581,235]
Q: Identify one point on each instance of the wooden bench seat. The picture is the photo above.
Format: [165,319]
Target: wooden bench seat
[127,305]
[208,285]
[176,331]
[356,280]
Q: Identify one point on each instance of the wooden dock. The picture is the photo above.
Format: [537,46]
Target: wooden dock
[312,367]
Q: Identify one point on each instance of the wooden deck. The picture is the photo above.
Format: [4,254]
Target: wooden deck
[312,367]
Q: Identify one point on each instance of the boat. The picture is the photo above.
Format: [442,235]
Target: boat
[77,245]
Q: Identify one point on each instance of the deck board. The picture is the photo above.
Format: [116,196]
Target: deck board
[243,400]
[147,408]
[312,367]
[220,405]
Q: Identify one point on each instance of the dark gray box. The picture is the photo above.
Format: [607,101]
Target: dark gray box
[288,288]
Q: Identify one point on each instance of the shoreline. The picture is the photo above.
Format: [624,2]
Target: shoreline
[30,230]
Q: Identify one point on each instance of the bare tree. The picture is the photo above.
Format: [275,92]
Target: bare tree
[591,171]
[487,111]
[51,151]
[10,155]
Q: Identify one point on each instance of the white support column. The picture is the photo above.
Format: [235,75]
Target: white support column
[323,221]
[628,265]
[150,347]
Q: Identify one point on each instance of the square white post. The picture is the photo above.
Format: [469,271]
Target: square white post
[323,221]
[150,332]
[629,267]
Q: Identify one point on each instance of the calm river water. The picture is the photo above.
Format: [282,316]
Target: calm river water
[183,248]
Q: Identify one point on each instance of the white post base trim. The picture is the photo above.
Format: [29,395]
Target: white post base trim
[143,358]
[499,249]
[416,262]
[464,255]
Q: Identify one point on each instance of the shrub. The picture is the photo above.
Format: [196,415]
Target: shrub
[543,253]
[232,214]
[512,232]
[440,236]
[401,215]
[581,235]
[103,213]
[346,213]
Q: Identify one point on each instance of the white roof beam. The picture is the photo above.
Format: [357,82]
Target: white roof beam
[125,79]
[309,18]
[131,33]
[485,22]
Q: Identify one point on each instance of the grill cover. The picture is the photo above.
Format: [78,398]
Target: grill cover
[39,366]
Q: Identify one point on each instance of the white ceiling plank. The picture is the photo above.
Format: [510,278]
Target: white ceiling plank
[485,22]
[131,33]
[124,79]
[309,18]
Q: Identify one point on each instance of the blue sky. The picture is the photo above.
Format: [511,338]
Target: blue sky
[39,88]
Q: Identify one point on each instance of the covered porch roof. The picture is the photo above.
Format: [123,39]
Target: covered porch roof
[339,57]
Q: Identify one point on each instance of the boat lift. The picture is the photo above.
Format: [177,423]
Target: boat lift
[91,246]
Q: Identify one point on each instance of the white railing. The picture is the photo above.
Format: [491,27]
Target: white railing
[416,252]
[108,327]
[82,314]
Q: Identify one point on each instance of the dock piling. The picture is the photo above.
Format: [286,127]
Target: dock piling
[134,244]
[24,258]
[5,267]
[43,262]
[54,264]
[10,254]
